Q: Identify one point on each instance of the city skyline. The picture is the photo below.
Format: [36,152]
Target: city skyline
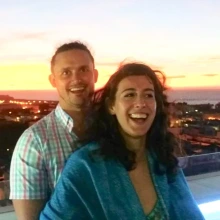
[179,38]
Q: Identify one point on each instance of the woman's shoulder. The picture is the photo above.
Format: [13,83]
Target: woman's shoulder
[81,165]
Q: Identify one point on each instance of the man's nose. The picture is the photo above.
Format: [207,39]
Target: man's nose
[75,76]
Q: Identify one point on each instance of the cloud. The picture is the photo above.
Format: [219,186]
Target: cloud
[108,63]
[31,36]
[127,60]
[33,57]
[207,59]
[176,77]
[210,74]
[25,36]
[215,58]
[8,12]
[110,5]
[23,41]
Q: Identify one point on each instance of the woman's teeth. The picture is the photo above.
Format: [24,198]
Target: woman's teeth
[138,115]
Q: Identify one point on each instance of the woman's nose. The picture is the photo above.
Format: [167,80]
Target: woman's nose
[140,104]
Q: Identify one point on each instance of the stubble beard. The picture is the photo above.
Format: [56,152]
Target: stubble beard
[80,103]
[76,103]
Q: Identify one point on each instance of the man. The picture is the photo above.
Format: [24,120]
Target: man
[43,149]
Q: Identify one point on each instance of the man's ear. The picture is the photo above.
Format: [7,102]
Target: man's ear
[96,75]
[52,80]
[110,106]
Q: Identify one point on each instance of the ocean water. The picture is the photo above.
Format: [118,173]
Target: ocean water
[32,94]
[194,96]
[191,96]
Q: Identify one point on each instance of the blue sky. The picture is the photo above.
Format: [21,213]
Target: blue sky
[179,37]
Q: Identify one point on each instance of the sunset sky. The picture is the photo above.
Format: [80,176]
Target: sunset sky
[181,38]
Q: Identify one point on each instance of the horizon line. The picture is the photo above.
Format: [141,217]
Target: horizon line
[167,88]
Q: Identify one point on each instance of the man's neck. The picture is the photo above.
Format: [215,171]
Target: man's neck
[78,115]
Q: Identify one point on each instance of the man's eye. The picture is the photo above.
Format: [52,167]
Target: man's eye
[84,69]
[66,72]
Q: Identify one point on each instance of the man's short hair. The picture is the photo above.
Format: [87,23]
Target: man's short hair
[75,45]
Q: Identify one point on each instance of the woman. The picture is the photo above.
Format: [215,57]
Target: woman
[127,170]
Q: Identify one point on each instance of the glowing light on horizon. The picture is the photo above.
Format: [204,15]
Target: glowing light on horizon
[35,77]
[210,208]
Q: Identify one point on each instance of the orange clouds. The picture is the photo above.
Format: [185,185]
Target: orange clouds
[24,76]
[194,81]
[34,76]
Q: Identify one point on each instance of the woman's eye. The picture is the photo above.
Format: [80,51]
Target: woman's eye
[149,95]
[129,95]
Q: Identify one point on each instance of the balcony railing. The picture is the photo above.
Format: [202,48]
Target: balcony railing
[4,195]
[192,166]
[200,164]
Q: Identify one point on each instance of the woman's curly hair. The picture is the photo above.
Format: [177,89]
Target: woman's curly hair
[103,127]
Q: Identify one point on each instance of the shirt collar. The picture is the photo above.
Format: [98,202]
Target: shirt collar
[64,118]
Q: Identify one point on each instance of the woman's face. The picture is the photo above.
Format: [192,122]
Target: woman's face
[135,105]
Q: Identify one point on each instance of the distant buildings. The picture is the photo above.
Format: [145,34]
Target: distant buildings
[5,98]
[197,127]
[21,110]
[211,116]
[16,115]
[9,106]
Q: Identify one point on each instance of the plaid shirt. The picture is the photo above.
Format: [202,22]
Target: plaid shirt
[40,155]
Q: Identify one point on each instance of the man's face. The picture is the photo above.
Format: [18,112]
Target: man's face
[73,75]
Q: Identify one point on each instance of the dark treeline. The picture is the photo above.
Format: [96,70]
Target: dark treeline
[9,134]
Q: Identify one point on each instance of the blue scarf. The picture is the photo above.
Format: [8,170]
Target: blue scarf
[101,189]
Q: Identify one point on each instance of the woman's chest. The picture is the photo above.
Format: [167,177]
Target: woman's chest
[144,187]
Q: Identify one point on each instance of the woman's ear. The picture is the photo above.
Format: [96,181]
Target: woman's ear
[110,106]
